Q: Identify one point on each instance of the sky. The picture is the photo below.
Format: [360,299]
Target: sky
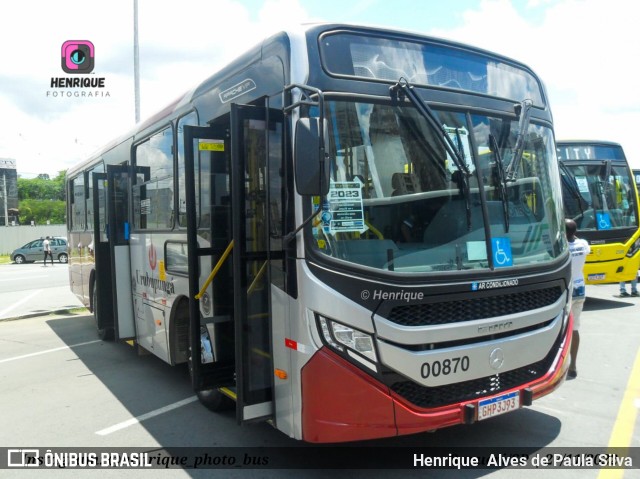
[585,51]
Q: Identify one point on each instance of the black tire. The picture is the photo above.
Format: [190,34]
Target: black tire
[212,399]
[63,258]
[19,259]
[215,401]
[106,334]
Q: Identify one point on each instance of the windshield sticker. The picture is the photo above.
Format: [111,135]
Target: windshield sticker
[210,145]
[476,250]
[583,184]
[145,207]
[459,135]
[604,221]
[343,210]
[501,250]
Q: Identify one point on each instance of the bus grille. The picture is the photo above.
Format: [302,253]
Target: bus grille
[447,312]
[431,397]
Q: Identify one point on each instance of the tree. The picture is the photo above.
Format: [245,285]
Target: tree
[41,211]
[42,199]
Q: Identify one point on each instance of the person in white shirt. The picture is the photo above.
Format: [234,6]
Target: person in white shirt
[579,249]
[46,246]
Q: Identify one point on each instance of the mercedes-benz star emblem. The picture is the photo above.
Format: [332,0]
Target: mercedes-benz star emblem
[496,358]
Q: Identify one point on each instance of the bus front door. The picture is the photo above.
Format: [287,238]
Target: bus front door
[113,312]
[255,145]
[209,241]
[228,221]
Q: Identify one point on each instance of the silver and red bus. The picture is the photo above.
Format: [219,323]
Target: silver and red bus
[351,232]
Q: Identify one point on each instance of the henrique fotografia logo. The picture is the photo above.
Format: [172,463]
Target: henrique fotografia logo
[78,56]
[78,59]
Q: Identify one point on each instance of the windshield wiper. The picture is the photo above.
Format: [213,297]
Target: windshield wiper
[504,195]
[570,182]
[404,87]
[604,184]
[606,172]
[522,110]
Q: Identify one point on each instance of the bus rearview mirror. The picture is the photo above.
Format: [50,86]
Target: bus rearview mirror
[311,167]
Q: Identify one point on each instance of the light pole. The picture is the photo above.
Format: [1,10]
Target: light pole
[136,61]
[6,199]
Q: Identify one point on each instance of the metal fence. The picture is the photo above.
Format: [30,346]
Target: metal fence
[12,237]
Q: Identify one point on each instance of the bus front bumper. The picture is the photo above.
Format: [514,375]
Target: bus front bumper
[342,403]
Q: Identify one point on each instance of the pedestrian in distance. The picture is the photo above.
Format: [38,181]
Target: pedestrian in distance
[46,246]
[579,249]
[623,289]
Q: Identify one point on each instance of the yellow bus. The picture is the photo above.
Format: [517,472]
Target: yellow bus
[600,194]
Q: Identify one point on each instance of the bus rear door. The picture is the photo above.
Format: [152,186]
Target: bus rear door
[113,311]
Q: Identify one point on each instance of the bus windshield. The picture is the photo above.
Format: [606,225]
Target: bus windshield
[399,202]
[599,196]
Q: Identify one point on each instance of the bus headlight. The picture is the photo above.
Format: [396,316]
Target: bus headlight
[348,340]
[566,312]
[634,248]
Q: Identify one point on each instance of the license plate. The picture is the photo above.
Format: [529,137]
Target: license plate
[498,405]
[596,277]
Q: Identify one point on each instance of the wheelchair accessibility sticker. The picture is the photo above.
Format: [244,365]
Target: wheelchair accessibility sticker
[604,221]
[501,251]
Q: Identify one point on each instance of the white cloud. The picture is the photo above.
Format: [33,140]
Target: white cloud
[584,52]
[181,43]
[582,49]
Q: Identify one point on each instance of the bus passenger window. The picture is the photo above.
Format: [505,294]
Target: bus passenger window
[153,191]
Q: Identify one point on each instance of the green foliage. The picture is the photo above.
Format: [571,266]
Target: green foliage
[40,211]
[41,199]
[41,188]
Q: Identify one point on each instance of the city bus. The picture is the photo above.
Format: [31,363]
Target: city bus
[252,230]
[600,194]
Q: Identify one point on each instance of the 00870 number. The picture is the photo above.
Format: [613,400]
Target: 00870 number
[445,367]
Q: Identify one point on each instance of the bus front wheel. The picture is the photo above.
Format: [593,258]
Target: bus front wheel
[214,400]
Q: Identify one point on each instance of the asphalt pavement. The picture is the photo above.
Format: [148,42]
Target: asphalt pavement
[28,290]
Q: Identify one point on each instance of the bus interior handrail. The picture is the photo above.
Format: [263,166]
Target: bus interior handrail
[215,270]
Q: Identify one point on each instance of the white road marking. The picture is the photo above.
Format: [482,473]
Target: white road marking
[556,412]
[15,305]
[15,358]
[144,417]
[13,278]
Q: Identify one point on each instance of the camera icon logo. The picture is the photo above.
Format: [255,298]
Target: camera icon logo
[78,56]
